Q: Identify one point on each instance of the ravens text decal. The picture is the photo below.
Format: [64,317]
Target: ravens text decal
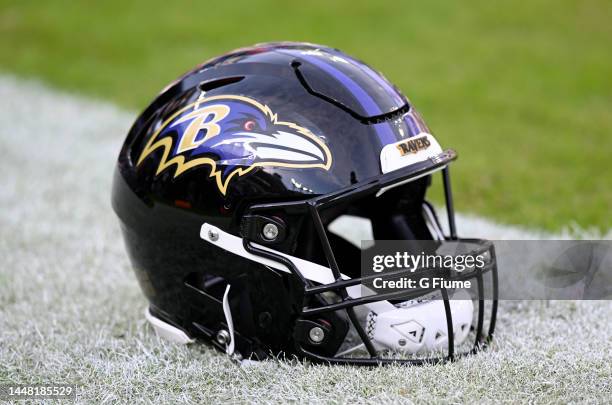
[233,135]
[413,145]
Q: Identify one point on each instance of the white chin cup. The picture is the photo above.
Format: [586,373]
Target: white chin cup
[422,326]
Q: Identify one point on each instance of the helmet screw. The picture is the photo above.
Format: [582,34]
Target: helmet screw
[270,231]
[213,236]
[316,334]
[402,342]
[223,337]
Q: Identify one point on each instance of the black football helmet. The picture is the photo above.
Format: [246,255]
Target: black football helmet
[243,192]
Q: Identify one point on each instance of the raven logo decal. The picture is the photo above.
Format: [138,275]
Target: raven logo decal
[233,135]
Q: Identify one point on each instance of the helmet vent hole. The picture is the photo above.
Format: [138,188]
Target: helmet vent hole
[214,84]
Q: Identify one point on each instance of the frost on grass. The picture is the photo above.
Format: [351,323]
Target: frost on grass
[71,310]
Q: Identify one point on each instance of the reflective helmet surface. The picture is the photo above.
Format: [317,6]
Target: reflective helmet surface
[236,152]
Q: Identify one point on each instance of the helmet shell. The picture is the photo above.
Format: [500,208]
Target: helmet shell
[274,122]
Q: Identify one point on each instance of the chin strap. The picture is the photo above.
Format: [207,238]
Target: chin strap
[229,344]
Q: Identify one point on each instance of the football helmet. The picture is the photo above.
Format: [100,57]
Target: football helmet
[243,192]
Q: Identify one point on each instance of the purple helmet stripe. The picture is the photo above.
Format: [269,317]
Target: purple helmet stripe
[362,96]
[412,125]
[385,133]
[378,78]
[384,84]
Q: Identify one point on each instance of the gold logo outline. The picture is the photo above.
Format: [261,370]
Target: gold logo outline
[181,165]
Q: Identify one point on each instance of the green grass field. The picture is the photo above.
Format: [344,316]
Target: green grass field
[522,90]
